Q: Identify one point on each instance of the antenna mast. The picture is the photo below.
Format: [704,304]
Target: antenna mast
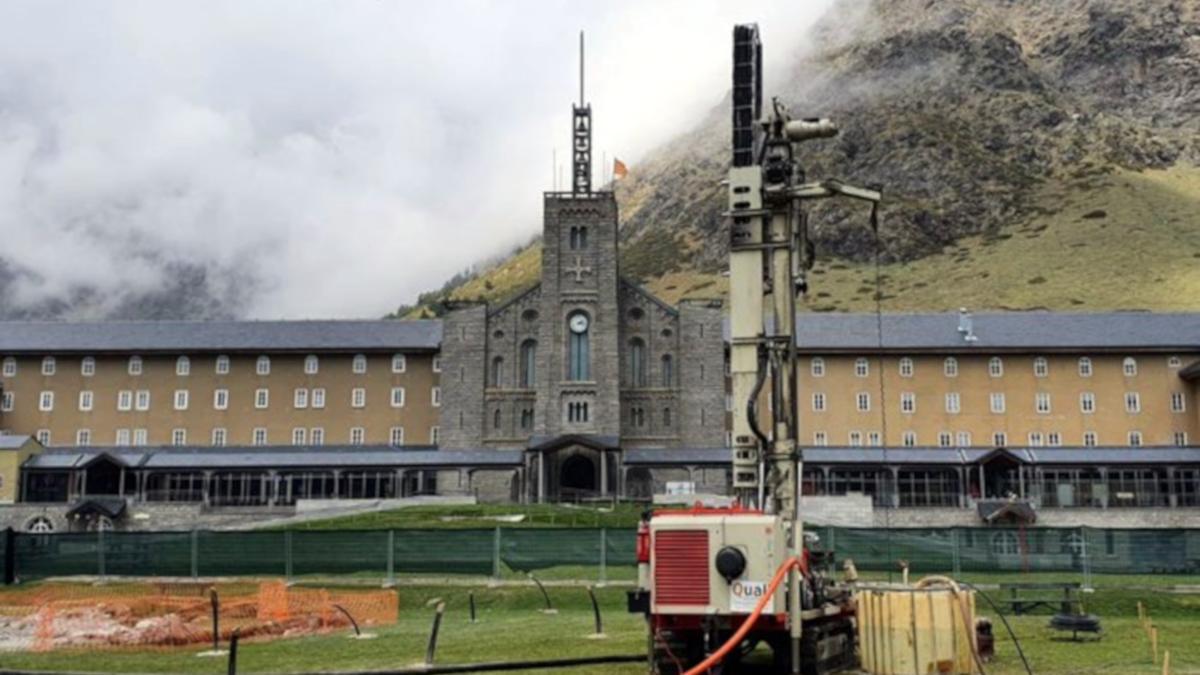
[581,183]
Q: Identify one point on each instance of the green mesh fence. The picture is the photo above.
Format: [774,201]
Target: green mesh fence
[580,553]
[4,536]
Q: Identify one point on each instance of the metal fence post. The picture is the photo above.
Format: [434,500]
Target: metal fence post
[195,554]
[391,559]
[100,551]
[496,555]
[603,558]
[10,556]
[287,555]
[1084,559]
[955,552]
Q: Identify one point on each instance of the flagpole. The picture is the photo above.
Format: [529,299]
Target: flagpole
[554,169]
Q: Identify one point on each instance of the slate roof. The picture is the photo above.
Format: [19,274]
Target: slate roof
[13,441]
[223,336]
[594,441]
[276,457]
[816,332]
[1191,372]
[1002,331]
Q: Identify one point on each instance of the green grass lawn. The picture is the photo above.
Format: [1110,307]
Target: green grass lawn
[474,516]
[511,627]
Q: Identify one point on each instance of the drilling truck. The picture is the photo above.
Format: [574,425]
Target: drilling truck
[718,583]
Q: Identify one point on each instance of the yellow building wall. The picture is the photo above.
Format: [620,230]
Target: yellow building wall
[10,469]
[418,415]
[1155,381]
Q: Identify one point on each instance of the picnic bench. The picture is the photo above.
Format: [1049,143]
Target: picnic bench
[1064,597]
[1023,597]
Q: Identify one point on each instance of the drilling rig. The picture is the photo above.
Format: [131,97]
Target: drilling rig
[715,583]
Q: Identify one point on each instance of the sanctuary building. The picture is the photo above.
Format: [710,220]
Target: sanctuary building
[587,387]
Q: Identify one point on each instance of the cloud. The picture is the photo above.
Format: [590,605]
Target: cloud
[320,159]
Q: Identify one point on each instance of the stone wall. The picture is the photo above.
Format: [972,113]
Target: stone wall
[144,517]
[856,510]
[464,367]
[649,408]
[580,279]
[702,375]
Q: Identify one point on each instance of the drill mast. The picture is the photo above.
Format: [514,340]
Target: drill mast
[770,253]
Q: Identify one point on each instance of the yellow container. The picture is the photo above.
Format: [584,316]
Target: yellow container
[917,630]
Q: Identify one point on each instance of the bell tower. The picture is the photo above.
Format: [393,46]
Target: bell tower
[578,361]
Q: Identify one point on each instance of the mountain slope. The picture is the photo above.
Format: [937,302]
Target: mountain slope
[989,125]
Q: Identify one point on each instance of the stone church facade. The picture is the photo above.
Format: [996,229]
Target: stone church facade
[583,366]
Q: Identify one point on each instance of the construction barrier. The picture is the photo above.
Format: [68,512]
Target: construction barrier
[168,615]
[577,553]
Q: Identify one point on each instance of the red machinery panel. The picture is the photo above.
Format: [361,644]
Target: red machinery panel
[681,567]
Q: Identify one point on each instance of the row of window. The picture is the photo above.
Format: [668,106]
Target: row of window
[962,439]
[128,399]
[220,436]
[183,365]
[997,402]
[1041,366]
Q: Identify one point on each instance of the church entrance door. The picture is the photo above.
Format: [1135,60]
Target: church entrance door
[577,478]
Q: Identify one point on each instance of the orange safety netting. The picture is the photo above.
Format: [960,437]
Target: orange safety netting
[54,616]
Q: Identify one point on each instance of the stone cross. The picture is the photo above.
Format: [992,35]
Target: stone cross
[579,269]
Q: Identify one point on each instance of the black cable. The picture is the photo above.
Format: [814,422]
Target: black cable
[752,404]
[1004,620]
[883,403]
[495,666]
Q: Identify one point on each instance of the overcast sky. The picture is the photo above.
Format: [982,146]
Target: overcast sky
[346,155]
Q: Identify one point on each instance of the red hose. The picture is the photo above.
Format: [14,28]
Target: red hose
[739,635]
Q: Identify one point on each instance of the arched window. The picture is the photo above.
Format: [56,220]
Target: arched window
[529,364]
[668,371]
[496,419]
[666,417]
[579,348]
[497,378]
[1129,366]
[183,366]
[637,362]
[1072,542]
[39,525]
[358,365]
[311,364]
[578,238]
[1004,543]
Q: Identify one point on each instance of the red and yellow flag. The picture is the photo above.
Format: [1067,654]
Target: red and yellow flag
[619,169]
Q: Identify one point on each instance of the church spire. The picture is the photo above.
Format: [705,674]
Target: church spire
[581,141]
